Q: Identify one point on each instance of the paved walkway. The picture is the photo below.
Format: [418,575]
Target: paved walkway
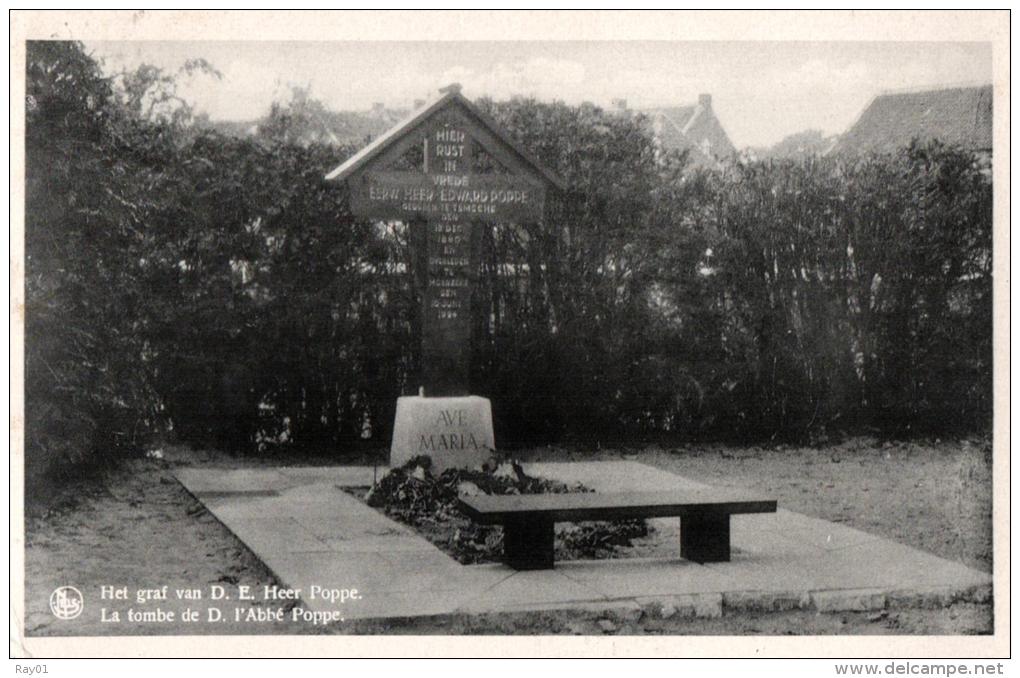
[310,532]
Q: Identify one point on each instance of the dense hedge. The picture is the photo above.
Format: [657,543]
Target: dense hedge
[218,290]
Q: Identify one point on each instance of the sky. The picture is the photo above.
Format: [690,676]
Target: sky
[761,91]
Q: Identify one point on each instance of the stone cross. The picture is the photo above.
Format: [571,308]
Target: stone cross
[451,247]
[447,169]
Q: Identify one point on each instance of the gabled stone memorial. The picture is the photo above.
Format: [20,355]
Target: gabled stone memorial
[446,170]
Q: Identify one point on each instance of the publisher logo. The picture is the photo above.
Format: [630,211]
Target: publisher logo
[66,602]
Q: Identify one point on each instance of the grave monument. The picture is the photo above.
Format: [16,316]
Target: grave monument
[446,171]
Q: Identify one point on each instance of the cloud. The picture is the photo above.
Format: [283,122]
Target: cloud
[817,74]
[540,77]
[245,92]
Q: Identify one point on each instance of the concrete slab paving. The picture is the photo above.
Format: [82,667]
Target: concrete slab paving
[886,564]
[277,534]
[849,600]
[238,508]
[539,587]
[453,576]
[408,604]
[612,476]
[688,605]
[625,609]
[821,533]
[768,543]
[342,523]
[634,577]
[310,532]
[393,543]
[342,476]
[762,572]
[424,561]
[474,581]
[206,481]
[766,601]
[369,573]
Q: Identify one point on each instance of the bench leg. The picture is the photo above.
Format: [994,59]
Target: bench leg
[705,537]
[528,544]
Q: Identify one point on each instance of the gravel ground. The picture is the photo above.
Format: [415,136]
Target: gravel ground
[137,527]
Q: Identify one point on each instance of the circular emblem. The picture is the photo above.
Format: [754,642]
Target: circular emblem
[66,602]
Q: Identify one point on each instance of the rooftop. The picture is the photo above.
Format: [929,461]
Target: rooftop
[957,116]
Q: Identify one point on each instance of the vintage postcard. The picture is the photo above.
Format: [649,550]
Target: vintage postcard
[510,334]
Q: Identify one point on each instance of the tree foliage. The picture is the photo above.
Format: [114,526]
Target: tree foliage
[180,282]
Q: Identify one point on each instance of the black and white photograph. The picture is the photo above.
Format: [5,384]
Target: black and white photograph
[481,335]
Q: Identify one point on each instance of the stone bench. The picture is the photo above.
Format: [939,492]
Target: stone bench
[528,520]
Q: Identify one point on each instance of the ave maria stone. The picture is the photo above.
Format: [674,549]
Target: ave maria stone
[454,432]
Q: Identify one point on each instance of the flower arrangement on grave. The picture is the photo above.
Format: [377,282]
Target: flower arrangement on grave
[412,494]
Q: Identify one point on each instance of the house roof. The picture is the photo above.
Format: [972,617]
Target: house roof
[958,116]
[449,96]
[339,128]
[679,116]
[693,127]
[670,125]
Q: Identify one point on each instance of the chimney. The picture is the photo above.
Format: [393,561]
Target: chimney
[705,101]
[378,108]
[418,103]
